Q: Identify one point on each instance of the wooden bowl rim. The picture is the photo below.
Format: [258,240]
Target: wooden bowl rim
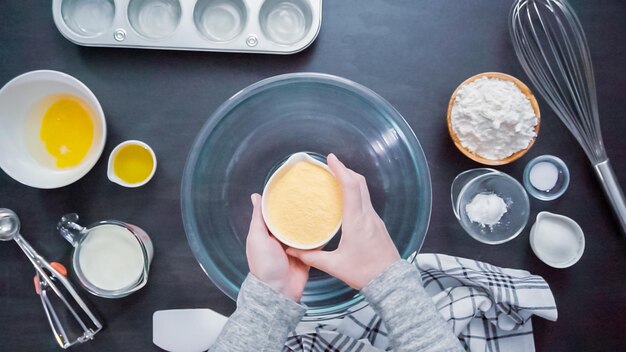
[533,102]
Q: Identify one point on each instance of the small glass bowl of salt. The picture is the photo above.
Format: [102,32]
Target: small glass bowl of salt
[546,177]
[490,205]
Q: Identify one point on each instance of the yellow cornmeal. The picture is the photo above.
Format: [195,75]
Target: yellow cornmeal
[305,203]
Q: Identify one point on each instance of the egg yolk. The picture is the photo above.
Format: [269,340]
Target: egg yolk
[133,163]
[305,203]
[67,131]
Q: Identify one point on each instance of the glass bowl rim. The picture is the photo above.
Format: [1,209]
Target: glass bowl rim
[398,122]
[516,184]
[559,164]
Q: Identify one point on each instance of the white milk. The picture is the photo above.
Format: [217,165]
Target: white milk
[111,257]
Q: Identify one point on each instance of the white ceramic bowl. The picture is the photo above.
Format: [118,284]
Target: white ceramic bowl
[19,100]
[293,159]
[557,240]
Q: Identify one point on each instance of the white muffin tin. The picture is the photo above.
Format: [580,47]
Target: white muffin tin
[251,26]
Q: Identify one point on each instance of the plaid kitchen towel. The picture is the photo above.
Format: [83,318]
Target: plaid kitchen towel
[488,307]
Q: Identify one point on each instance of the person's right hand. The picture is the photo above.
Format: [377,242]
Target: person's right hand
[365,249]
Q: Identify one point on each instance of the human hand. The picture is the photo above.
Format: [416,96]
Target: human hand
[365,249]
[269,262]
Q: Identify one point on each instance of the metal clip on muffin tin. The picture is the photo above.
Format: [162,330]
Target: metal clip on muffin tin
[251,26]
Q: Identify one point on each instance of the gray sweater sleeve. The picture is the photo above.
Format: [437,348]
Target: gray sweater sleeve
[412,321]
[262,321]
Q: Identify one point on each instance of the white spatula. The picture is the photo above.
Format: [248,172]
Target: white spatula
[186,330]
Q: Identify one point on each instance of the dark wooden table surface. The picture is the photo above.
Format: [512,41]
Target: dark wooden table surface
[413,53]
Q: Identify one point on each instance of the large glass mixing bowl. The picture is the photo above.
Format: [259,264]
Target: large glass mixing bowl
[255,130]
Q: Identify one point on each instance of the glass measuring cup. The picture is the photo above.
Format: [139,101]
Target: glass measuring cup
[111,259]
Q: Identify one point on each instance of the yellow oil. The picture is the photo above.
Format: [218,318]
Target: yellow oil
[133,163]
[67,131]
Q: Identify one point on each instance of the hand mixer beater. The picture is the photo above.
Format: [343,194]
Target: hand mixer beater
[551,46]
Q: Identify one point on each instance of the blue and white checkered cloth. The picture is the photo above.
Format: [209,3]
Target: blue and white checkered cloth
[488,307]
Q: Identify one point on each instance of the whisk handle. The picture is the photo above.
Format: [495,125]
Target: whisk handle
[613,191]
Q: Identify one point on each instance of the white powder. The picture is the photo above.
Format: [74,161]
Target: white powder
[544,176]
[493,118]
[556,240]
[486,209]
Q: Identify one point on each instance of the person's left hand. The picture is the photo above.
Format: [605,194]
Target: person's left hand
[268,260]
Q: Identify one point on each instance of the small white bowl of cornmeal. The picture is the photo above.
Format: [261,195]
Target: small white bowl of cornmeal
[303,203]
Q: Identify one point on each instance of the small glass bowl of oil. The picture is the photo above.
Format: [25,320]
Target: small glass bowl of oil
[132,164]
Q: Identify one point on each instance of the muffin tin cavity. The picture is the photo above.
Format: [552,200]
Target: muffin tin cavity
[220,20]
[252,26]
[154,19]
[285,21]
[88,17]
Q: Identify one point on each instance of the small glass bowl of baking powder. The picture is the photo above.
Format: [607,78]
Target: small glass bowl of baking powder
[490,205]
[546,177]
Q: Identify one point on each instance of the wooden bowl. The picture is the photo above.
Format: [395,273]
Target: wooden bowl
[474,156]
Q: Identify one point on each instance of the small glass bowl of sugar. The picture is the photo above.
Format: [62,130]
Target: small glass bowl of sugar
[546,177]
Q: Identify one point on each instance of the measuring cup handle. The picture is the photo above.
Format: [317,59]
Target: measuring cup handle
[69,229]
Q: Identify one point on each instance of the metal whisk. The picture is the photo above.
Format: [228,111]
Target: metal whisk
[551,46]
